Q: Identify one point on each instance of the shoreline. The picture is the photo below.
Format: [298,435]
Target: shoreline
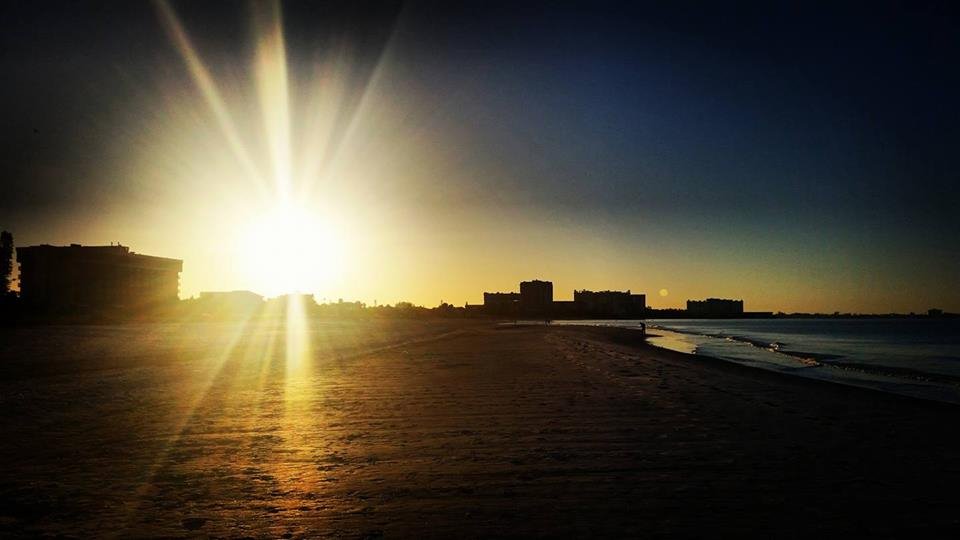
[904,381]
[783,376]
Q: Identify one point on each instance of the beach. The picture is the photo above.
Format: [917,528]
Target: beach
[448,429]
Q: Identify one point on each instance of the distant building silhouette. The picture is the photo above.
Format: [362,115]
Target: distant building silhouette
[718,307]
[536,300]
[303,300]
[610,303]
[230,302]
[340,309]
[101,278]
[536,297]
[500,303]
[233,297]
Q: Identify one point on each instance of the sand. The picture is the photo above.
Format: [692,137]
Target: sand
[448,429]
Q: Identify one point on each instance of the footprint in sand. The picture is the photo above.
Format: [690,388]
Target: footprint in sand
[193,523]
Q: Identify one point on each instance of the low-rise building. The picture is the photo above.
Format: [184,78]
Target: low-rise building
[230,302]
[501,303]
[718,307]
[101,278]
[610,303]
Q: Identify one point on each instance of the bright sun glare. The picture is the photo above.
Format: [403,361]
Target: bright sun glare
[290,249]
[293,247]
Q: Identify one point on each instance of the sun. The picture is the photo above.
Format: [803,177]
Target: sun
[290,249]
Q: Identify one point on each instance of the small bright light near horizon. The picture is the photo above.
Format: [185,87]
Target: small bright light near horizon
[664,292]
[290,250]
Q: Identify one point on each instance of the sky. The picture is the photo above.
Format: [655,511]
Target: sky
[800,157]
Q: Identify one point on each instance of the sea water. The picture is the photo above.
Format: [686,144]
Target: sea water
[916,357]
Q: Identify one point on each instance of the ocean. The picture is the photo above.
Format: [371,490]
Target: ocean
[915,357]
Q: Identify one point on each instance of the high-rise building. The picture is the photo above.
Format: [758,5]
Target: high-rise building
[536,297]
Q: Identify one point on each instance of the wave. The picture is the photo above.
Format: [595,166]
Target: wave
[825,360]
[807,358]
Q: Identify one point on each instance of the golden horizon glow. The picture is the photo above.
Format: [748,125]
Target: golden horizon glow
[289,250]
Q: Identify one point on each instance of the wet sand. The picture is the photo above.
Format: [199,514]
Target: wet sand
[402,429]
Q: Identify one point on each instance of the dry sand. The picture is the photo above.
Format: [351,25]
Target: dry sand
[404,429]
